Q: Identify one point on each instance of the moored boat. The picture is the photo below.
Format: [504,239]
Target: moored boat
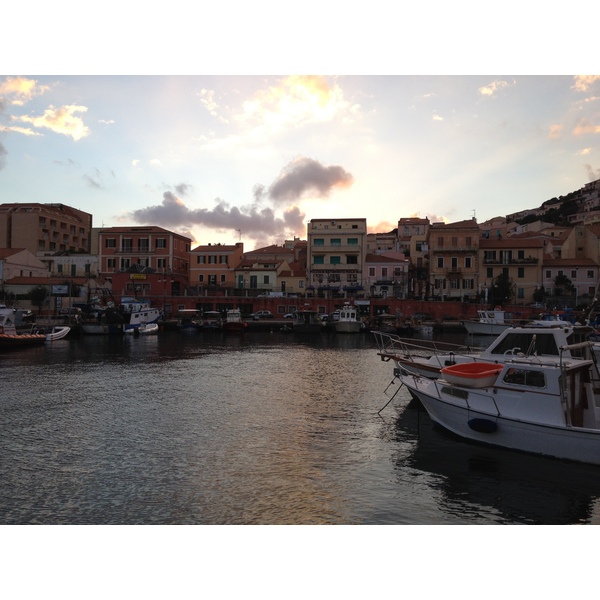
[489,322]
[307,320]
[348,320]
[428,358]
[546,407]
[234,322]
[10,337]
[57,332]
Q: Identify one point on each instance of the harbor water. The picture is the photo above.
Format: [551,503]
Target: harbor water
[264,428]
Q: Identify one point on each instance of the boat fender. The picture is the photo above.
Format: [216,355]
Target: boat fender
[483,425]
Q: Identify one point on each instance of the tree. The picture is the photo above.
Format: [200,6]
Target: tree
[502,290]
[38,296]
[563,285]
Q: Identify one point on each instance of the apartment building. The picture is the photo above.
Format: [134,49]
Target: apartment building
[387,275]
[44,229]
[121,247]
[213,265]
[454,260]
[336,252]
[518,258]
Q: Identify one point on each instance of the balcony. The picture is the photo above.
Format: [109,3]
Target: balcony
[511,261]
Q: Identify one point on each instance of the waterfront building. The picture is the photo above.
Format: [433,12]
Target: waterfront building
[257,276]
[518,258]
[212,266]
[336,254]
[121,247]
[387,275]
[44,229]
[453,260]
[20,262]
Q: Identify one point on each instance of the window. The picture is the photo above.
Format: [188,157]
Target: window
[440,241]
[212,260]
[489,273]
[335,260]
[454,242]
[440,262]
[336,242]
[520,272]
[110,243]
[590,274]
[548,274]
[521,254]
[223,259]
[125,264]
[525,377]
[371,271]
[469,241]
[201,278]
[212,280]
[265,279]
[319,260]
[161,243]
[223,278]
[573,274]
[468,262]
[201,259]
[59,268]
[468,284]
[318,242]
[454,263]
[384,272]
[143,245]
[352,259]
[73,270]
[110,263]
[521,293]
[352,241]
[127,244]
[161,263]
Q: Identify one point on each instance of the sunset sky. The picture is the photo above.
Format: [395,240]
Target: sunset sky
[224,157]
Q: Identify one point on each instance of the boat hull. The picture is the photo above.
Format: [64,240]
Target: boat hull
[570,443]
[21,340]
[347,326]
[477,328]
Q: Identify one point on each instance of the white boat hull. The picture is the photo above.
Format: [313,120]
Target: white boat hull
[58,332]
[570,443]
[347,326]
[478,328]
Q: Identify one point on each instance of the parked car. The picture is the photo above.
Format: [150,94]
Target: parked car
[262,314]
[289,315]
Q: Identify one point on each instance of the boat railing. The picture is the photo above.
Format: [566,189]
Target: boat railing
[390,344]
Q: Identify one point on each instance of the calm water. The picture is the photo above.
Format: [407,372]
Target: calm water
[266,429]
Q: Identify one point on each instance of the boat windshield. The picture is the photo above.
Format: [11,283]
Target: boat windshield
[544,344]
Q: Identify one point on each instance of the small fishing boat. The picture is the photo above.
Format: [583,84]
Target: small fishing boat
[307,320]
[10,337]
[234,322]
[348,320]
[489,322]
[427,358]
[546,407]
[211,320]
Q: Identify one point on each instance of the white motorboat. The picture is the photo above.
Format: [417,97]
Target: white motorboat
[57,332]
[488,322]
[348,320]
[427,358]
[143,329]
[10,337]
[543,406]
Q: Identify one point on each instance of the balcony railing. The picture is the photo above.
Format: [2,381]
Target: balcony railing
[511,261]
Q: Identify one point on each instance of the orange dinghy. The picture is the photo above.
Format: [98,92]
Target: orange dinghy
[472,374]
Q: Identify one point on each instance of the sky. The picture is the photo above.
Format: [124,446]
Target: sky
[254,158]
[147,120]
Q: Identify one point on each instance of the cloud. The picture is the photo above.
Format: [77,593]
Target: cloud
[492,88]
[555,132]
[582,83]
[306,175]
[254,221]
[584,127]
[592,174]
[20,89]
[22,130]
[183,188]
[60,120]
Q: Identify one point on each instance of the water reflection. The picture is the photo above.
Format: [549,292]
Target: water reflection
[485,484]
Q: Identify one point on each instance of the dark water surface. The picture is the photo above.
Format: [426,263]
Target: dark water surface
[262,429]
